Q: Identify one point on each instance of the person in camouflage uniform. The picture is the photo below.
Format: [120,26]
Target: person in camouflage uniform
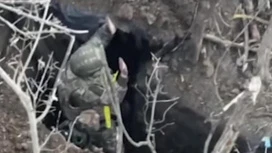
[84,95]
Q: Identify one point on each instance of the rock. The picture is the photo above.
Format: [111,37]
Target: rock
[22,147]
[58,143]
[55,140]
[74,149]
[209,67]
[235,91]
[25,146]
[151,18]
[25,134]
[90,118]
[5,143]
[125,11]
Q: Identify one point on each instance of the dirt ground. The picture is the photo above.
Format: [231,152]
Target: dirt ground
[14,128]
[163,19]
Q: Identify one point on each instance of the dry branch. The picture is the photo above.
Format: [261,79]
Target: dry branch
[244,104]
[226,43]
[263,54]
[52,97]
[23,1]
[28,98]
[206,9]
[33,49]
[249,9]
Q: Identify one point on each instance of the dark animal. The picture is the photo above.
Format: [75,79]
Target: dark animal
[189,132]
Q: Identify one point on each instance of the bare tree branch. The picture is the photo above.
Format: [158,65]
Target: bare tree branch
[26,102]
[52,97]
[29,97]
[35,43]
[244,105]
[23,1]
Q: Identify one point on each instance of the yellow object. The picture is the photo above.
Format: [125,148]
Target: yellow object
[107,110]
[115,76]
[107,113]
[244,16]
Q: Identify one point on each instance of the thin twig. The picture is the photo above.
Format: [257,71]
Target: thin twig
[244,105]
[152,116]
[72,128]
[245,16]
[23,1]
[225,42]
[35,43]
[47,139]
[53,93]
[167,101]
[208,140]
[13,27]
[162,127]
[227,49]
[39,88]
[246,45]
[263,54]
[165,112]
